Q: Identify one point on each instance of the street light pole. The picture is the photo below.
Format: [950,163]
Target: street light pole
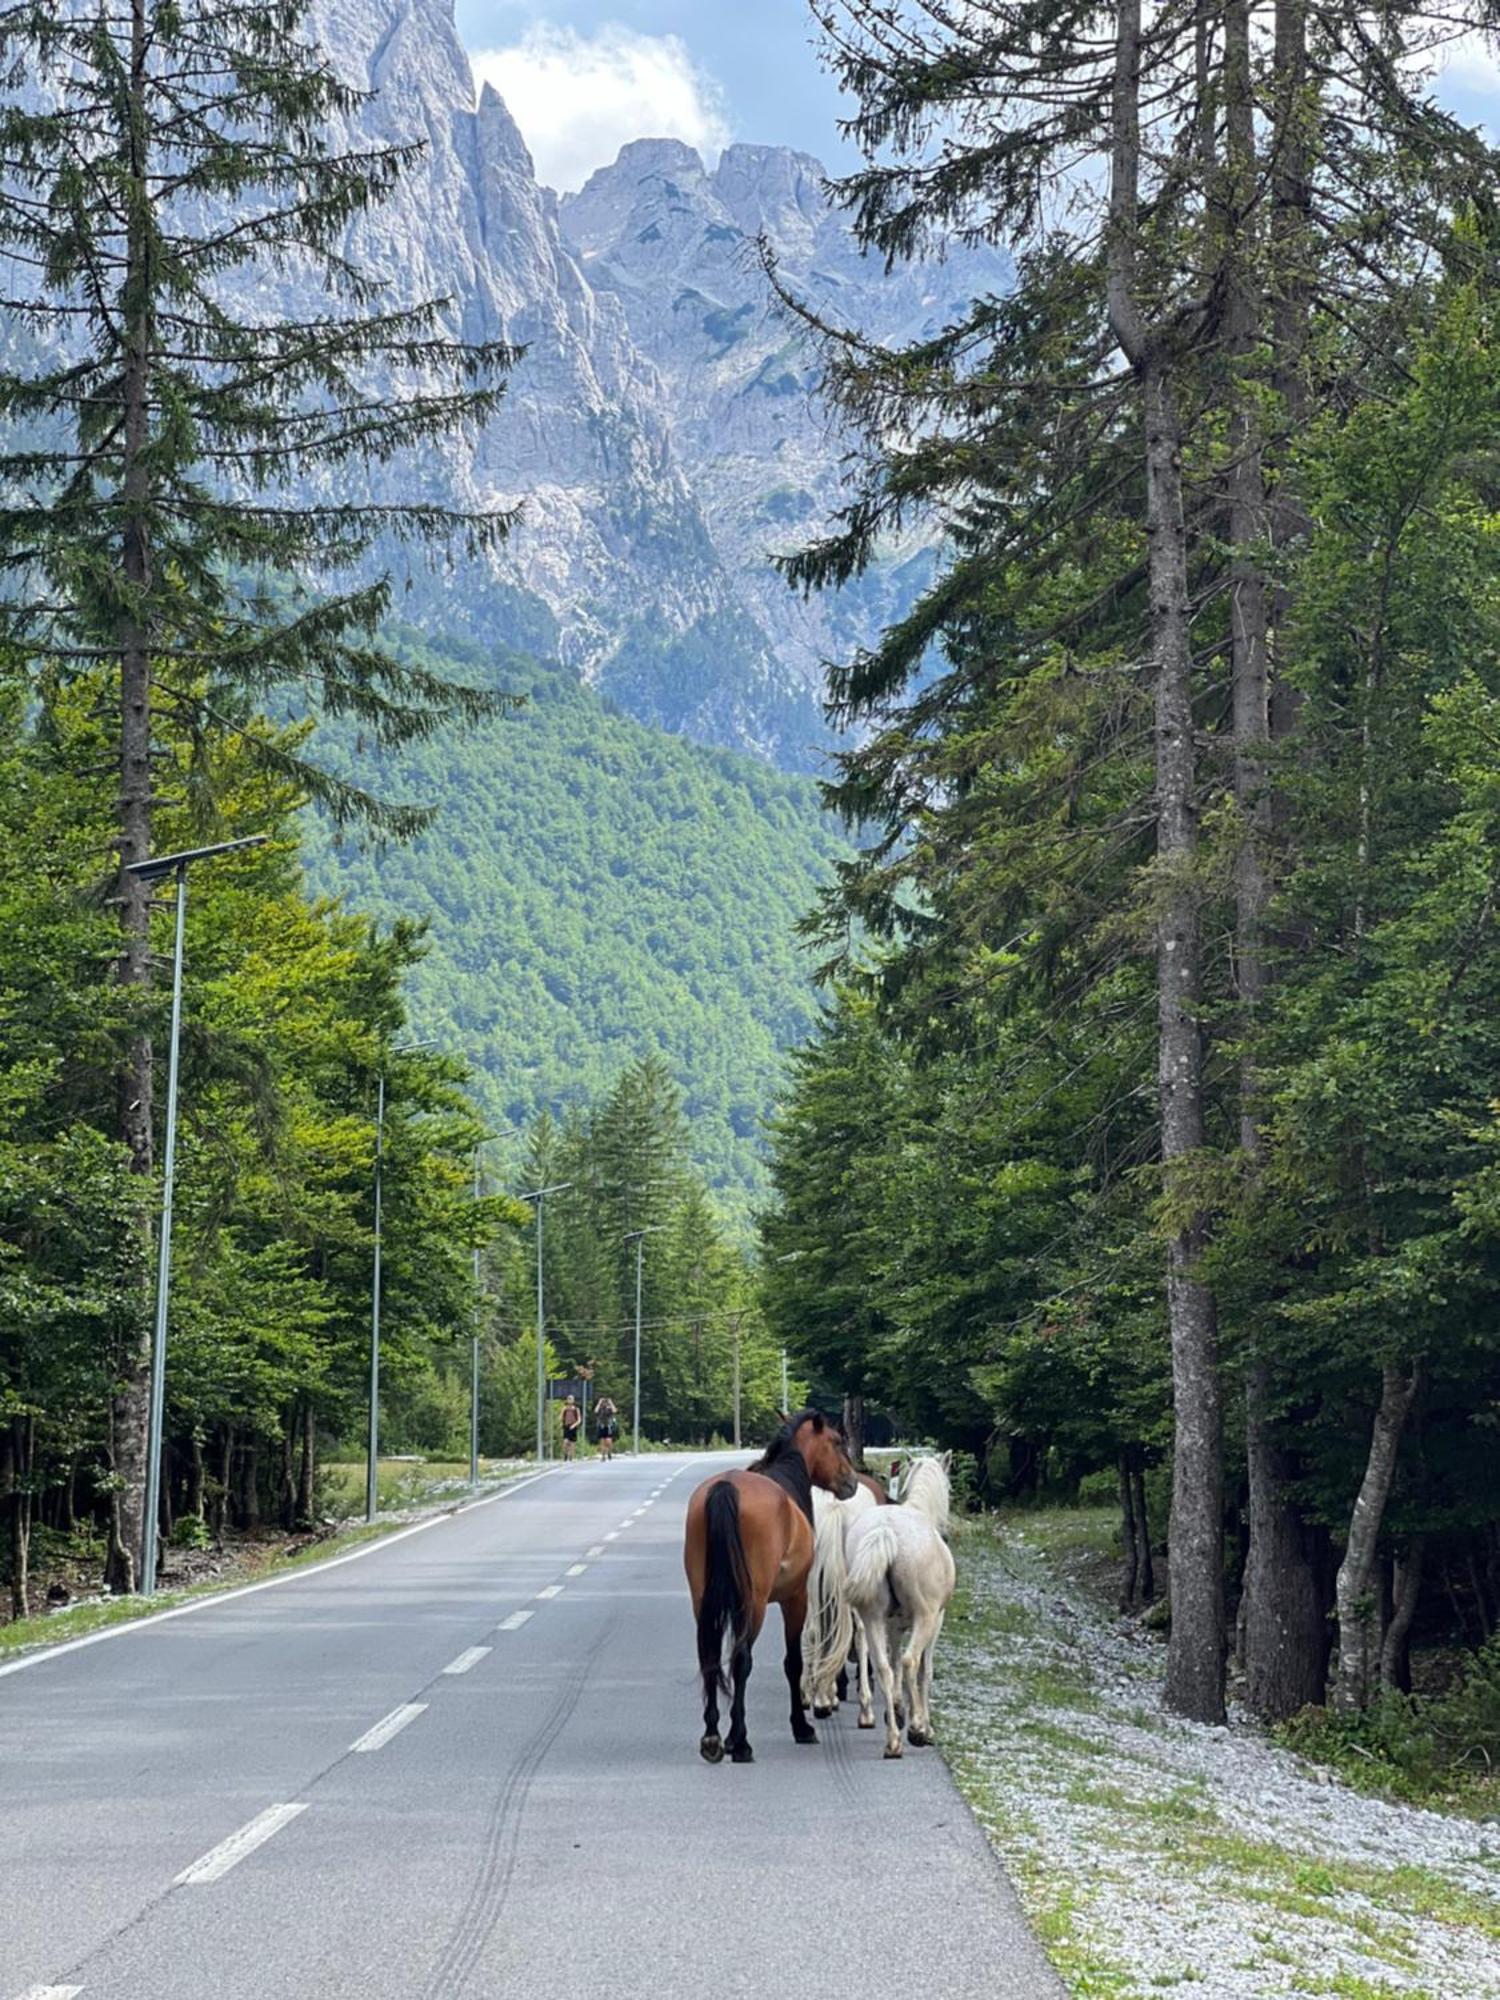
[474,1354]
[638,1237]
[736,1381]
[152,871]
[372,1449]
[539,1196]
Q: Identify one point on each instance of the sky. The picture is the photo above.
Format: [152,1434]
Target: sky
[581,77]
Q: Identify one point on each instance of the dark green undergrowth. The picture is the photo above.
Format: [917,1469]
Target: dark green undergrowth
[1427,1750]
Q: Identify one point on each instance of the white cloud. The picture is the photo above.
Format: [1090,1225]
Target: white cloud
[579,98]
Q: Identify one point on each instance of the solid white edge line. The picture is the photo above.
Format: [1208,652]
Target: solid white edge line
[515,1621]
[552,1590]
[387,1727]
[576,1570]
[255,1833]
[50,1992]
[470,1657]
[144,1624]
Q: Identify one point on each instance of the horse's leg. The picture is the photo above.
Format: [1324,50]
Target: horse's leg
[931,1648]
[880,1646]
[862,1649]
[738,1742]
[794,1612]
[915,1663]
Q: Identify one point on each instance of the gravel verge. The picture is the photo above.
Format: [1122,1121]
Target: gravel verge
[1156,1855]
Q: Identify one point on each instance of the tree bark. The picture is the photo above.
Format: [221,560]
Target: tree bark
[1395,1649]
[1286,1635]
[307,1465]
[854,1427]
[195,1477]
[131,1400]
[1195,1657]
[1354,1593]
[1129,1542]
[17,1439]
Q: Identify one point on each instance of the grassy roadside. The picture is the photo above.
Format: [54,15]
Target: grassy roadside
[1154,1856]
[407,1492]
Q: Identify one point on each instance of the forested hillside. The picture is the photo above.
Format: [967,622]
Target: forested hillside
[597,892]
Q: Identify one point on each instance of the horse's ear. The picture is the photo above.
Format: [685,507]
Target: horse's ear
[947,1461]
[819,1422]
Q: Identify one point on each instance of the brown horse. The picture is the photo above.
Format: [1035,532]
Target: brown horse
[749,1544]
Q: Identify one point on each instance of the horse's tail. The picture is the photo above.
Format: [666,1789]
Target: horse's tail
[829,1631]
[869,1587]
[726,1585]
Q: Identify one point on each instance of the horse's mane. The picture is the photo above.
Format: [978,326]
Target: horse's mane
[782,1461]
[926,1490]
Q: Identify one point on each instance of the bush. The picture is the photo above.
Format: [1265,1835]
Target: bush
[191,1531]
[1411,1745]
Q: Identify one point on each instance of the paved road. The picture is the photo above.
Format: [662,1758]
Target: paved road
[463,1766]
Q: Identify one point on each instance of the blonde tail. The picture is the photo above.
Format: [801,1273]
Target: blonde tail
[829,1631]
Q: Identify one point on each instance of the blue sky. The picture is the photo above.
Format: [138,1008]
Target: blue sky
[582,77]
[577,73]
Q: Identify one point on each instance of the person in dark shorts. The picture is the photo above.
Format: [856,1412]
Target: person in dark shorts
[572,1419]
[609,1425]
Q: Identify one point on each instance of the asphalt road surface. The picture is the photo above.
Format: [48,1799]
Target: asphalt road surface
[463,1765]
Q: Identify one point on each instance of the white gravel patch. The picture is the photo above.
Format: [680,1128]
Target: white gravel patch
[1161,1856]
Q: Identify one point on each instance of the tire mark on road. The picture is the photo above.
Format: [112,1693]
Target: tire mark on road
[502,1840]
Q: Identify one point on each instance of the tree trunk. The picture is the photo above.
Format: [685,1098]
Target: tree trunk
[248,1481]
[1146,1583]
[1285,1623]
[1195,1657]
[854,1427]
[132,1393]
[195,1477]
[1395,1650]
[1130,1562]
[307,1465]
[1354,1593]
[17,1438]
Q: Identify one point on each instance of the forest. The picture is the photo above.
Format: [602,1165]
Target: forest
[1150,1135]
[591,889]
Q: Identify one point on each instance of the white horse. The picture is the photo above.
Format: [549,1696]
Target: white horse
[900,1579]
[830,1629]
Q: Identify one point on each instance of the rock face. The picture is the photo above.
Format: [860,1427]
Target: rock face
[660,430]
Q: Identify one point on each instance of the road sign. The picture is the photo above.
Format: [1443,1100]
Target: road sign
[565,1386]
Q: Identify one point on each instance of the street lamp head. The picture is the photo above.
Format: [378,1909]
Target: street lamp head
[169,864]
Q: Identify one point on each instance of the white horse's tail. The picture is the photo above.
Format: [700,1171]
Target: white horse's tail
[868,1587]
[829,1631]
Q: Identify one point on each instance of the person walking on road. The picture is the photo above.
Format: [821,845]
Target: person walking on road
[572,1418]
[608,1418]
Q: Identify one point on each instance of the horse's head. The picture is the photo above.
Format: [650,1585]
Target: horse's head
[826,1456]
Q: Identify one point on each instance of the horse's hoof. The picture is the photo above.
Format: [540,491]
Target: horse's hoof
[867,1722]
[822,1713]
[921,1737]
[805,1735]
[893,1753]
[742,1754]
[711,1750]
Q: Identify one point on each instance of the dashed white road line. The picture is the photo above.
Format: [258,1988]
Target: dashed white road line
[576,1570]
[219,1860]
[470,1657]
[613,1535]
[552,1590]
[389,1726]
[596,1550]
[515,1621]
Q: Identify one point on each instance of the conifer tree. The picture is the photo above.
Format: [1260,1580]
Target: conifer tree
[148,520]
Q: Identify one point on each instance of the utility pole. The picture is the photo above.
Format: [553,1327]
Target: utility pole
[372,1449]
[152,871]
[539,1196]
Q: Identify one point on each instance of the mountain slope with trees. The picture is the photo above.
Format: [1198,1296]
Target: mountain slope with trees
[595,892]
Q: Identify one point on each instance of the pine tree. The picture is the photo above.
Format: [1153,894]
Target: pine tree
[150,521]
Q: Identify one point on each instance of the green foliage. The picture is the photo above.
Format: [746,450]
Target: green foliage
[595,892]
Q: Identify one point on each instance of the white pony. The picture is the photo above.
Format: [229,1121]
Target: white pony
[900,1579]
[830,1628]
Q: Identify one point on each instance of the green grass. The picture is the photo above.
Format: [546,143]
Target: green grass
[403,1482]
